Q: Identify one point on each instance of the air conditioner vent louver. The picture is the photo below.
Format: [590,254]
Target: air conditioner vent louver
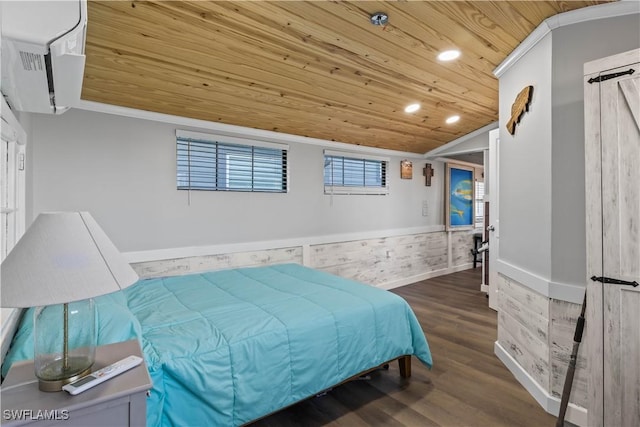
[31,61]
[43,57]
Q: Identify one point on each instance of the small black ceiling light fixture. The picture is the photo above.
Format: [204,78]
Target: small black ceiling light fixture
[379,18]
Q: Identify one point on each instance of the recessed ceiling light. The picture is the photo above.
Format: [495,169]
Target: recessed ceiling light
[452,119]
[411,108]
[448,55]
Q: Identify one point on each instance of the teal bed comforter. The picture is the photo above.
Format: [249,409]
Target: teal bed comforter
[227,347]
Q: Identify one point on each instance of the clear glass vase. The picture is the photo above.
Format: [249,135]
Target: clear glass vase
[65,343]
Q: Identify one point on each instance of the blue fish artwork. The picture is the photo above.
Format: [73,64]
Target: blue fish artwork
[461,197]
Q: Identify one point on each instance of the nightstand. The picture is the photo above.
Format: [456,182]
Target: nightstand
[120,401]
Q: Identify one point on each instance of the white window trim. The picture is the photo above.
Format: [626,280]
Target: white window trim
[353,155]
[14,186]
[210,137]
[14,138]
[351,190]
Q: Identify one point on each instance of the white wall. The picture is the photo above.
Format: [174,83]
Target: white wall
[122,170]
[525,165]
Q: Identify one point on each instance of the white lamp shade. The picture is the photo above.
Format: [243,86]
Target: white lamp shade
[63,257]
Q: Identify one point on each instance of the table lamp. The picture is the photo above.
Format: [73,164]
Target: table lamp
[62,261]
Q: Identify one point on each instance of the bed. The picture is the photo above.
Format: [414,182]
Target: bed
[232,346]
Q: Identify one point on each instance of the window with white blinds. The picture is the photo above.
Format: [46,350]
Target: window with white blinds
[479,204]
[346,173]
[208,162]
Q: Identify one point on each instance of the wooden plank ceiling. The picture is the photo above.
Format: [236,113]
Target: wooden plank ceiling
[311,68]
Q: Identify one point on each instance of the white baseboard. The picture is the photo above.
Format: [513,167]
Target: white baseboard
[551,404]
[424,276]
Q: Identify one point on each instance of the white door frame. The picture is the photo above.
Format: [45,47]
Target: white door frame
[494,217]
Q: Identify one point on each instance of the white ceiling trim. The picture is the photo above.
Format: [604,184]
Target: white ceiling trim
[591,13]
[445,149]
[223,129]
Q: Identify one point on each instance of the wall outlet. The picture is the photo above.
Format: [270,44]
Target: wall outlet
[425,208]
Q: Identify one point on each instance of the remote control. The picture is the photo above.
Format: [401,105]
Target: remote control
[102,375]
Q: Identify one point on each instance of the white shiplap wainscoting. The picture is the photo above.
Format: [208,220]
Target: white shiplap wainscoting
[523,327]
[564,316]
[382,259]
[216,261]
[535,339]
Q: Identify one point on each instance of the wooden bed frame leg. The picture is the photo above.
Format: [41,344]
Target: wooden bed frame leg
[404,363]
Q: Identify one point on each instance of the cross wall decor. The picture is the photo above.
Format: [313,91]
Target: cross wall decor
[428,173]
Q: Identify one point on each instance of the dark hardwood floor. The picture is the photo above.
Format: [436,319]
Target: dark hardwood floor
[468,385]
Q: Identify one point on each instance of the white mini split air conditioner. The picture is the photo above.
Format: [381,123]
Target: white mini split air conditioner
[43,54]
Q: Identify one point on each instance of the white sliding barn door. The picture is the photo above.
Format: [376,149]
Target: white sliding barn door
[614,321]
[620,124]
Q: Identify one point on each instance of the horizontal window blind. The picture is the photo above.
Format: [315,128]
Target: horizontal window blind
[221,166]
[353,175]
[479,204]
